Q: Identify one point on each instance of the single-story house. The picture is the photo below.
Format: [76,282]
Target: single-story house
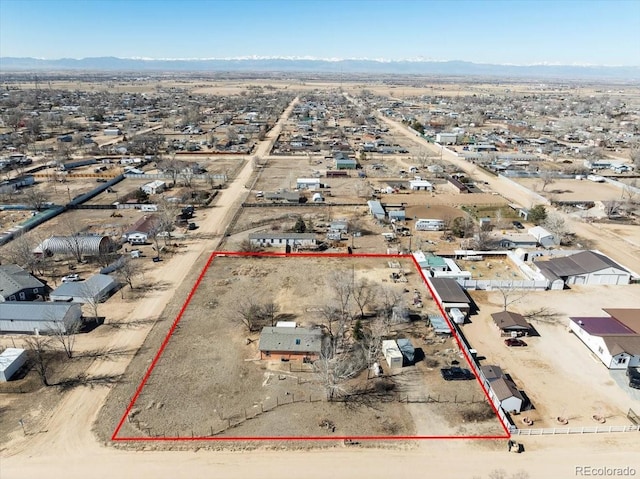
[96,288]
[343,162]
[140,231]
[509,322]
[615,339]
[447,138]
[18,285]
[511,399]
[285,343]
[40,316]
[450,294]
[586,267]
[154,187]
[283,239]
[420,185]
[515,240]
[543,237]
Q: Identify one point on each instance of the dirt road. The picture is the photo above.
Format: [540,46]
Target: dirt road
[67,435]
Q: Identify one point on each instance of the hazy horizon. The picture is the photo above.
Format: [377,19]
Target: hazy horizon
[589,33]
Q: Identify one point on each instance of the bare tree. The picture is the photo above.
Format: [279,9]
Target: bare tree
[171,167]
[65,334]
[129,269]
[269,312]
[557,225]
[388,299]
[612,207]
[250,313]
[363,294]
[510,294]
[93,295]
[36,198]
[39,348]
[546,179]
[334,369]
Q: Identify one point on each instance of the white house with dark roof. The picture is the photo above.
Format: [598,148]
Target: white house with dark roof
[615,339]
[586,267]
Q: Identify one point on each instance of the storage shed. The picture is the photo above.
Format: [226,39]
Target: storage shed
[76,245]
[11,360]
[392,353]
[27,317]
[376,209]
[407,350]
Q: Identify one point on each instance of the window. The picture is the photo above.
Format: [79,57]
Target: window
[621,360]
[600,350]
[35,291]
[297,342]
[22,295]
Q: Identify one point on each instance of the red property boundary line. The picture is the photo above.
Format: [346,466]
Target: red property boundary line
[115,437]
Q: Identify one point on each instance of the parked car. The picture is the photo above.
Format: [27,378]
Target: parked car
[518,225]
[456,374]
[70,278]
[156,259]
[192,226]
[634,377]
[514,342]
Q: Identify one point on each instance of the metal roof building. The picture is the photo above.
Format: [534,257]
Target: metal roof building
[77,245]
[29,317]
[376,209]
[97,288]
[586,267]
[11,359]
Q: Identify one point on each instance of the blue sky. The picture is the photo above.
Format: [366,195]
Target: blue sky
[509,31]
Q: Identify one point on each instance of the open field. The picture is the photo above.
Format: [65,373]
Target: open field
[573,190]
[555,363]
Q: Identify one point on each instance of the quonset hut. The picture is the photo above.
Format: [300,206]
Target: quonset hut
[76,245]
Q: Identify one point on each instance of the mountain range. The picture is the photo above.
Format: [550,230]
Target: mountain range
[406,67]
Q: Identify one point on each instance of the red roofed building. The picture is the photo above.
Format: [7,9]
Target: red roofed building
[615,339]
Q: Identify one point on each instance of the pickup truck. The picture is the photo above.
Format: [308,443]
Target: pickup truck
[634,377]
[456,374]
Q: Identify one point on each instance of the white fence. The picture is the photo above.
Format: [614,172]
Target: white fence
[167,176]
[490,284]
[573,430]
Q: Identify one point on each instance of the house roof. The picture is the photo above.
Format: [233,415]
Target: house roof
[13,279]
[629,344]
[505,388]
[580,263]
[449,290]
[144,225]
[509,321]
[630,317]
[94,287]
[600,326]
[294,340]
[34,311]
[291,236]
[492,372]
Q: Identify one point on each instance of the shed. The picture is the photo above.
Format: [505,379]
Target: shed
[28,317]
[11,360]
[509,322]
[420,185]
[407,350]
[97,288]
[398,215]
[511,399]
[392,353]
[543,237]
[439,324]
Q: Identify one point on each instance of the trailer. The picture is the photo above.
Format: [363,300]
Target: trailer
[11,360]
[392,353]
[429,225]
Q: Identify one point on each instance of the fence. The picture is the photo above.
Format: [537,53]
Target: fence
[490,284]
[573,430]
[168,176]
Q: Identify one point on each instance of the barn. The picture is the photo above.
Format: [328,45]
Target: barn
[75,245]
[586,267]
[43,317]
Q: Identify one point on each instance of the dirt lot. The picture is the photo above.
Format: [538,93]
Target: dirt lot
[555,369]
[573,190]
[225,383]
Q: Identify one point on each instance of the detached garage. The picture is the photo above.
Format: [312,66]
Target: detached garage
[586,267]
